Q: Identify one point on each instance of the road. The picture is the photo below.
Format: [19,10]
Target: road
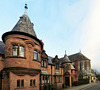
[94,87]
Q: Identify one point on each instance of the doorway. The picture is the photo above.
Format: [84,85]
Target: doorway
[67,81]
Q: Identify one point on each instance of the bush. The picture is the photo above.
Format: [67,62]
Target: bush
[48,87]
[80,82]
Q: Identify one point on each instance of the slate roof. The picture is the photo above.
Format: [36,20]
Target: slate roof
[50,60]
[44,72]
[24,25]
[2,48]
[78,56]
[72,67]
[65,59]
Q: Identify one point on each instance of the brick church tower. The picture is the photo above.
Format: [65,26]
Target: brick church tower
[22,64]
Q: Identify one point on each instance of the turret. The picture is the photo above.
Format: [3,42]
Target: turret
[22,47]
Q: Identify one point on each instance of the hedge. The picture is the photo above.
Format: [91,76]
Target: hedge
[80,82]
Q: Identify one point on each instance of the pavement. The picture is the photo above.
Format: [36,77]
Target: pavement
[81,87]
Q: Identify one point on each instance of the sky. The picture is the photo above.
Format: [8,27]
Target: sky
[71,25]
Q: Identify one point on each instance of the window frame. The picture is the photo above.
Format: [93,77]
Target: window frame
[68,67]
[18,53]
[57,66]
[43,63]
[37,55]
[32,83]
[20,84]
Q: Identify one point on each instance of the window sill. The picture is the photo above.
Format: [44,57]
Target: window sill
[15,57]
[36,60]
[43,67]
[20,88]
[32,86]
[56,69]
[57,82]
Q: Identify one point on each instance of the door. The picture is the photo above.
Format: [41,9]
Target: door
[67,81]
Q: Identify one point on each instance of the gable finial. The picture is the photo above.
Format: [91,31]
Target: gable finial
[25,9]
[79,50]
[65,51]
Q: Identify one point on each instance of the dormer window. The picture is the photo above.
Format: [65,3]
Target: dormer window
[56,66]
[18,50]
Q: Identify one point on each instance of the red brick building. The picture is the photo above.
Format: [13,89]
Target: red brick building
[24,65]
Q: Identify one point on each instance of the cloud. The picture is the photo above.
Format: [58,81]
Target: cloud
[91,32]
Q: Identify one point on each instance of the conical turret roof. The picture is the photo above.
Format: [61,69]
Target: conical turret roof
[24,25]
[65,59]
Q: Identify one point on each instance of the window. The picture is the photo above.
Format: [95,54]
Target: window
[15,50]
[48,79]
[54,79]
[80,66]
[43,79]
[35,55]
[43,63]
[68,66]
[38,56]
[57,66]
[18,50]
[59,79]
[32,83]
[21,51]
[20,83]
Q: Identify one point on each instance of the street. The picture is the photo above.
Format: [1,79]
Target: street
[93,87]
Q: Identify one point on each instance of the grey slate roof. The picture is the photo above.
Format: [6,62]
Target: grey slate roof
[78,56]
[72,67]
[64,59]
[50,60]
[2,48]
[24,25]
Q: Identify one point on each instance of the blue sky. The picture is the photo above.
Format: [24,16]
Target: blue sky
[70,25]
